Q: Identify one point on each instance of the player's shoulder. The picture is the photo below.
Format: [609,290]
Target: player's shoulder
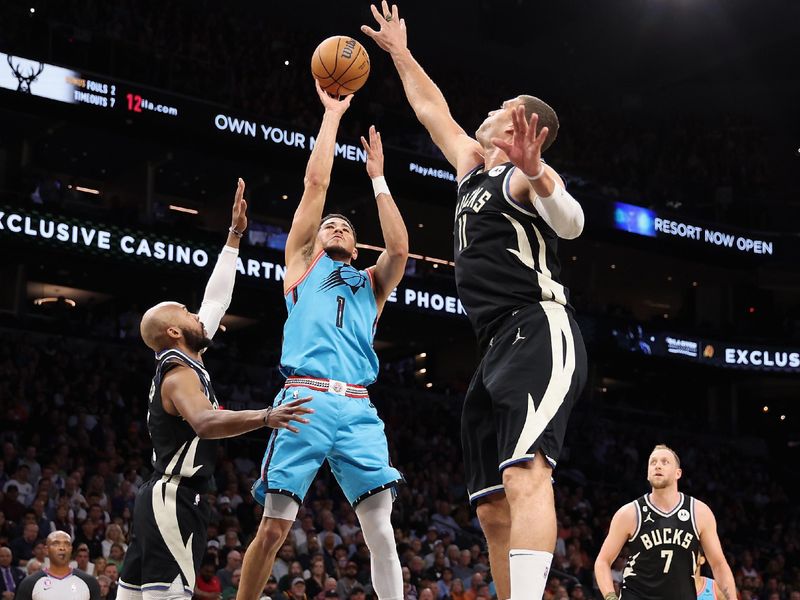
[626,514]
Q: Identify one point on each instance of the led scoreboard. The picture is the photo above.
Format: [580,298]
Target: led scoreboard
[73,87]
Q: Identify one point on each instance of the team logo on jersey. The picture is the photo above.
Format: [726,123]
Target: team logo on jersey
[497,171]
[344,275]
[683,514]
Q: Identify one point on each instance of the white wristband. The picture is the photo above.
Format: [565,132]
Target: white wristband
[379,186]
[538,175]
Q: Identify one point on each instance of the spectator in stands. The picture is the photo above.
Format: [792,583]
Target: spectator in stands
[10,576]
[22,546]
[233,561]
[113,536]
[208,586]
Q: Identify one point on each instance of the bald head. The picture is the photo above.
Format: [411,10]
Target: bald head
[157,321]
[171,325]
[59,536]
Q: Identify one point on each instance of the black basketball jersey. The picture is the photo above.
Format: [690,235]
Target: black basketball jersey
[505,253]
[177,450]
[663,553]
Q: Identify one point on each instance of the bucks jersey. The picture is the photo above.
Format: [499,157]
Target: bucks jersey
[177,450]
[663,553]
[505,253]
[331,324]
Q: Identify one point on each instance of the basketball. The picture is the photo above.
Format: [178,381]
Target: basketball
[341,65]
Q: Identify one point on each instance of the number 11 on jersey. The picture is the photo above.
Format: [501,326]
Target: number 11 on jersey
[462,233]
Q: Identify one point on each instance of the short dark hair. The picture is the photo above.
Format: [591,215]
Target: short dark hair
[343,218]
[547,117]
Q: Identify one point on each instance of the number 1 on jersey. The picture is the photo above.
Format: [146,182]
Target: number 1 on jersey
[339,311]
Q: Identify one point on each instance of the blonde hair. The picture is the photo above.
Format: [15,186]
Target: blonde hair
[665,447]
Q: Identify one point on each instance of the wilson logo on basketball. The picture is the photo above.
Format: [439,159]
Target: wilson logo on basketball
[349,46]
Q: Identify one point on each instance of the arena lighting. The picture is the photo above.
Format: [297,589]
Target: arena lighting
[694,284]
[420,225]
[183,209]
[284,197]
[429,385]
[51,299]
[765,409]
[783,417]
[669,277]
[80,188]
[286,62]
[422,355]
[33,10]
[422,371]
[613,266]
[436,261]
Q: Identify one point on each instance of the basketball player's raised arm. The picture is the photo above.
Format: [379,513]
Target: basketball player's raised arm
[317,179]
[182,394]
[219,289]
[425,97]
[391,265]
[709,540]
[622,527]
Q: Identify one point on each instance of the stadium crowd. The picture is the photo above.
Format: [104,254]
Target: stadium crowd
[626,152]
[75,449]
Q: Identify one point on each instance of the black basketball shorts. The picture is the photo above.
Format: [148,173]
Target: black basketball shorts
[168,539]
[520,398]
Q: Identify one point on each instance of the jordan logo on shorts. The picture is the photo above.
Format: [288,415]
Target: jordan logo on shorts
[519,337]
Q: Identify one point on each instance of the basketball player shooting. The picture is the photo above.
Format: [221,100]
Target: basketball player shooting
[328,355]
[666,531]
[171,514]
[511,210]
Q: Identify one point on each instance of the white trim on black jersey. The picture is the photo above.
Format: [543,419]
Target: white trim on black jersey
[506,187]
[164,356]
[638,520]
[663,514]
[694,519]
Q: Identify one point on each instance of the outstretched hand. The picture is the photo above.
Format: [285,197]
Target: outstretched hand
[525,149]
[392,35]
[333,105]
[374,153]
[239,212]
[281,417]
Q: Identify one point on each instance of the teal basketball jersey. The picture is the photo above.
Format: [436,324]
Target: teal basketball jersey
[331,324]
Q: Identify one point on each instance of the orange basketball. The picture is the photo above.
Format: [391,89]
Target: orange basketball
[341,65]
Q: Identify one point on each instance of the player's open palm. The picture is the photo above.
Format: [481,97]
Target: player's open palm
[392,33]
[239,212]
[282,417]
[374,150]
[525,148]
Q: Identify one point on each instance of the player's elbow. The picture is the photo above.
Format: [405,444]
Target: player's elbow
[398,249]
[316,181]
[574,227]
[202,427]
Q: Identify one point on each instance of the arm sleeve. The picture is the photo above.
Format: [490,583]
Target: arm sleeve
[25,588]
[219,290]
[561,212]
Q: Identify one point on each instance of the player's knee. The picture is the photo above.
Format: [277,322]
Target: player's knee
[525,480]
[494,517]
[271,534]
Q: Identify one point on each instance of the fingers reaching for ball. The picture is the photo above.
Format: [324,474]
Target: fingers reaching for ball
[374,149]
[333,104]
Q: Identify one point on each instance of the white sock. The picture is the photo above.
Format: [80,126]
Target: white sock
[529,570]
